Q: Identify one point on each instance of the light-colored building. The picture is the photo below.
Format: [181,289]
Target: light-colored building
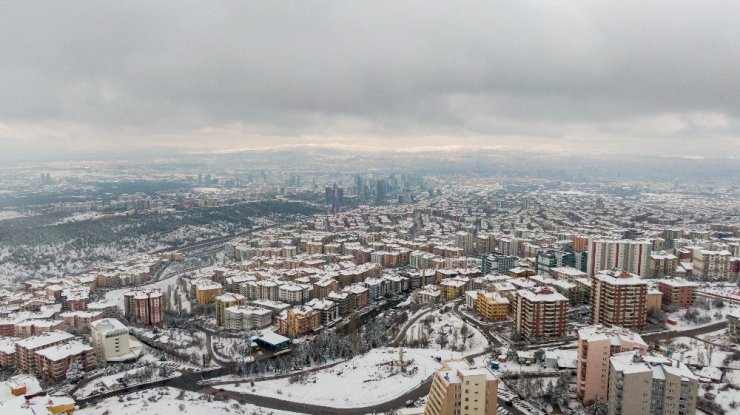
[459,389]
[241,317]
[539,312]
[225,301]
[654,299]
[662,264]
[595,345]
[650,385]
[110,340]
[618,298]
[631,256]
[428,295]
[711,264]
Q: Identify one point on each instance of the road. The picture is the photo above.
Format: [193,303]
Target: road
[492,341]
[665,335]
[279,404]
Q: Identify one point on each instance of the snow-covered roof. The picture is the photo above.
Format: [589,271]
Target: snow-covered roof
[62,351]
[44,339]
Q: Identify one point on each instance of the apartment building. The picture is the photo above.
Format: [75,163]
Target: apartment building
[631,256]
[205,291]
[618,298]
[53,362]
[596,344]
[328,309]
[225,301]
[662,264]
[677,293]
[539,312]
[298,321]
[711,264]
[294,294]
[25,349]
[110,340]
[144,307]
[733,326]
[492,306]
[241,317]
[650,385]
[460,389]
[323,287]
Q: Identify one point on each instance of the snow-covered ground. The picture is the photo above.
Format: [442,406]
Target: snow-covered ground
[446,329]
[704,316]
[693,351]
[365,380]
[112,382]
[171,401]
[165,284]
[192,346]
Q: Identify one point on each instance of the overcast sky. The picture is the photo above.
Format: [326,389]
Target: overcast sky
[624,76]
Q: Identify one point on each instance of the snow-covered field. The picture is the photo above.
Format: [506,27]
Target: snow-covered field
[365,380]
[704,316]
[169,401]
[163,285]
[109,383]
[445,330]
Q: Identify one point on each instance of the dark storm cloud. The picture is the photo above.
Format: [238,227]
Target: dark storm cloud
[585,73]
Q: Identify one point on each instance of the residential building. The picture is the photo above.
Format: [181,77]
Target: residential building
[618,298]
[110,340]
[144,307]
[225,301]
[539,312]
[492,306]
[242,317]
[595,345]
[53,362]
[733,326]
[460,389]
[711,264]
[650,385]
[631,256]
[297,321]
[677,293]
[662,264]
[25,349]
[205,291]
[328,309]
[498,263]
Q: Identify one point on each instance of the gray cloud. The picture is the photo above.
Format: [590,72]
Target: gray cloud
[214,75]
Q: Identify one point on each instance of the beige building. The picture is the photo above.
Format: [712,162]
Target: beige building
[711,264]
[595,345]
[243,317]
[110,340]
[459,389]
[205,291]
[650,385]
[225,301]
